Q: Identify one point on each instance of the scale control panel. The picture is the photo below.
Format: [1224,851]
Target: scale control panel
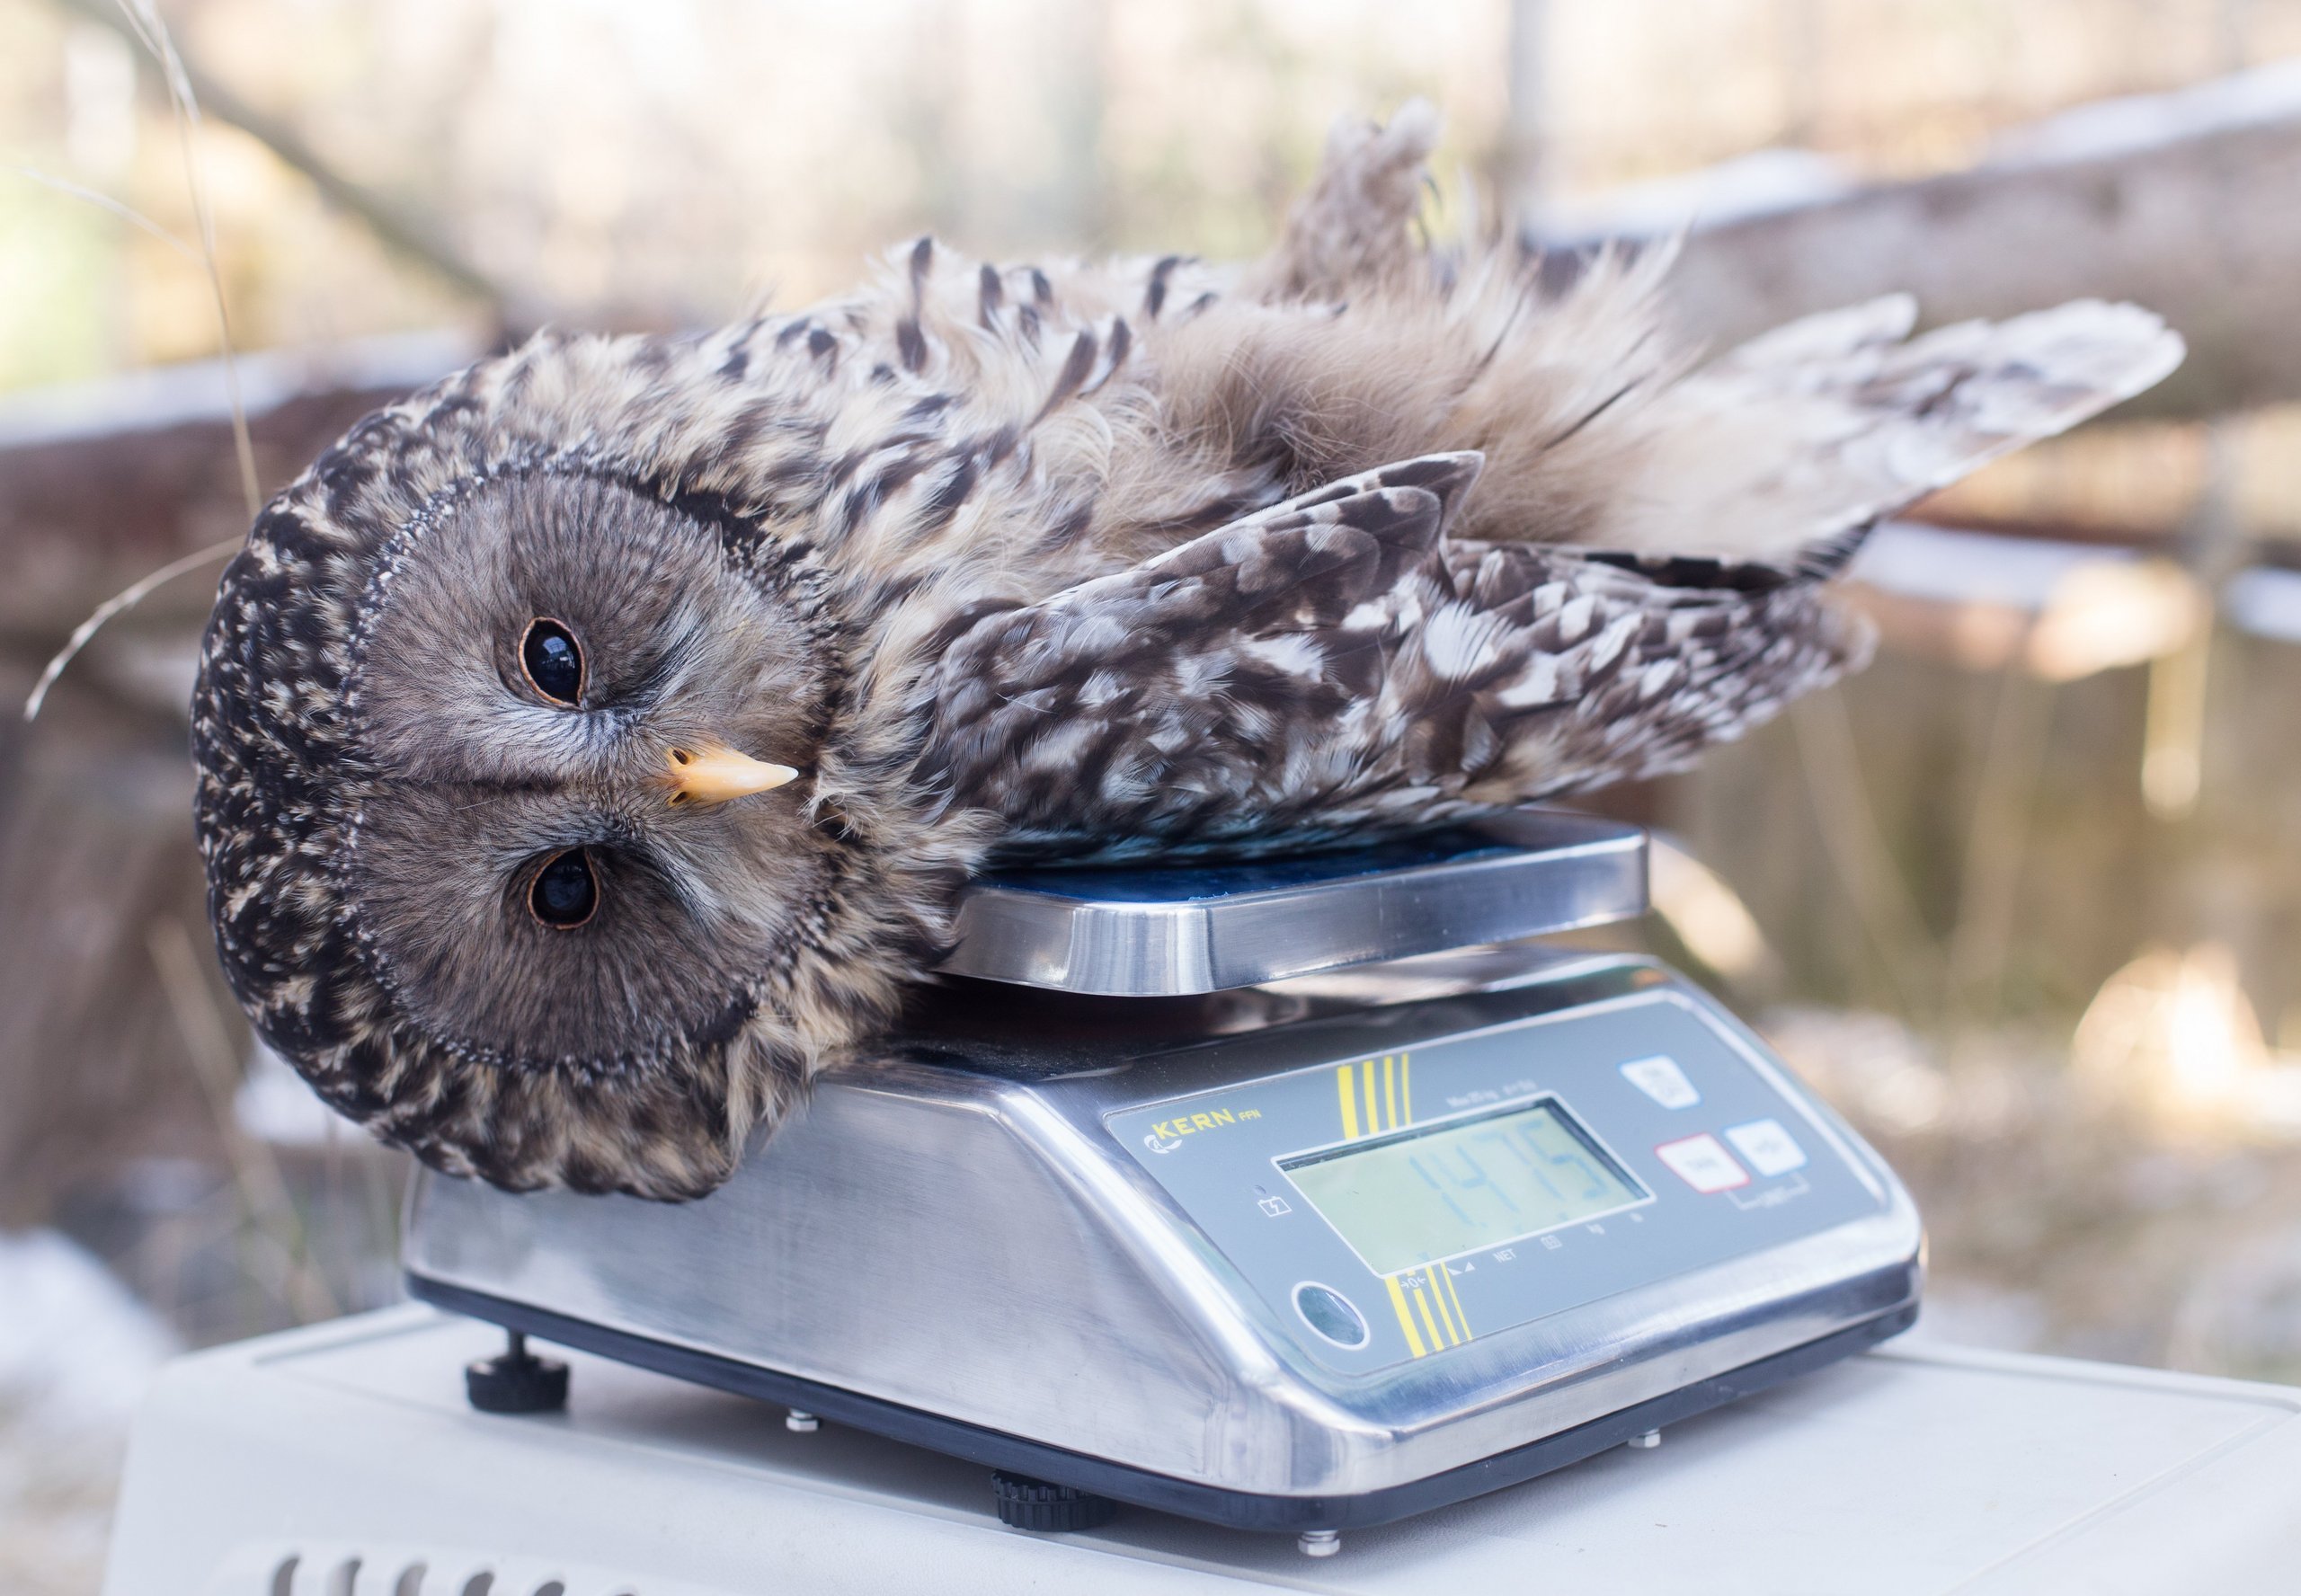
[1398,1206]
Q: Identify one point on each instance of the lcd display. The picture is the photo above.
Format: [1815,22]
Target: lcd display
[1417,1196]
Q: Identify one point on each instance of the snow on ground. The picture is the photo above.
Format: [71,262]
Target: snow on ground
[76,1352]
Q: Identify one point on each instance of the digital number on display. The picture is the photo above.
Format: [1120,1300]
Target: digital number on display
[1417,1196]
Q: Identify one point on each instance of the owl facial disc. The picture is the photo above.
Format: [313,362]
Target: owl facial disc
[453,889]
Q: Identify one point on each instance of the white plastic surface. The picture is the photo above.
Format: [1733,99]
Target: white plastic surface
[1915,1469]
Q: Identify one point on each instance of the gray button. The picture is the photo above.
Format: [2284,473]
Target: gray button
[1329,1313]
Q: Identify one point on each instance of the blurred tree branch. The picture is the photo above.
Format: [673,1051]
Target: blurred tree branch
[2181,202]
[396,228]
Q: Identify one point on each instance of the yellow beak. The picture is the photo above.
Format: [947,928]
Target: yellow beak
[709,773]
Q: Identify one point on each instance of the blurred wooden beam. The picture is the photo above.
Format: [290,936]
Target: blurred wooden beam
[2183,202]
[100,481]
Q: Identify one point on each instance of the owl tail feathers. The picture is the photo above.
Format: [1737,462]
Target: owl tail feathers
[1786,450]
[1352,230]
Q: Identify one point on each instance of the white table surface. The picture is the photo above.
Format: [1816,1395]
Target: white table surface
[1914,1469]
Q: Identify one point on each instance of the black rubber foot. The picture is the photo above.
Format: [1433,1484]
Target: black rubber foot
[518,1382]
[1028,1504]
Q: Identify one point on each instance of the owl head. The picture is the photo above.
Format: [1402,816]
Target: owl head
[529,791]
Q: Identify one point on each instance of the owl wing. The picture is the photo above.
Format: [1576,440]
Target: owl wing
[1334,666]
[1829,422]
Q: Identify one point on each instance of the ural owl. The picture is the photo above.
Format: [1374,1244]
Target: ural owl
[590,745]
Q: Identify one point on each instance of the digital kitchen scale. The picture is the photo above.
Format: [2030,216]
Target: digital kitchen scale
[1294,1195]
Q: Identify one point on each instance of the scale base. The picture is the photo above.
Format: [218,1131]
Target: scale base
[1095,1477]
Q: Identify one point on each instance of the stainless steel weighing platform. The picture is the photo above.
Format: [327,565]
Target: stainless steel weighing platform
[1296,1195]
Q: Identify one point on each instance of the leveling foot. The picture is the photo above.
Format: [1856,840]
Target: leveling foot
[1028,1504]
[518,1382]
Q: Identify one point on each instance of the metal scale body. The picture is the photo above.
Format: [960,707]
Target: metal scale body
[1297,1196]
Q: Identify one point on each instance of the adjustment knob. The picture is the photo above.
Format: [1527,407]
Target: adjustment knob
[518,1382]
[1028,1504]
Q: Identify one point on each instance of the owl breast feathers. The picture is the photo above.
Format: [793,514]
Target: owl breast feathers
[590,745]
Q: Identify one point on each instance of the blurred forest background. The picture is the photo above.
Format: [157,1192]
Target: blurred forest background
[2024,899]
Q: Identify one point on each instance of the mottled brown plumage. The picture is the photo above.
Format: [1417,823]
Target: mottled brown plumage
[1077,561]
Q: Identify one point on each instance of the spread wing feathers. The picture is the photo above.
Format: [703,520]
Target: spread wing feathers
[1334,667]
[1829,422]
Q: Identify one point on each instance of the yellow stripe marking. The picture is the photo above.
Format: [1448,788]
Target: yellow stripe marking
[1437,1337]
[1390,1090]
[1438,1301]
[1374,1108]
[1406,1319]
[1406,1085]
[1349,1105]
[1447,1275]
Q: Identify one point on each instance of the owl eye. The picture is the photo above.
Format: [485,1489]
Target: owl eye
[553,662]
[564,892]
